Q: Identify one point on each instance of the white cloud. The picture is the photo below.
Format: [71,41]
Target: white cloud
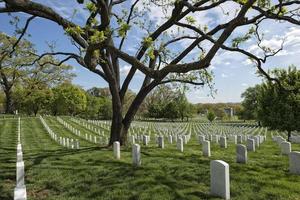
[247,62]
[125,70]
[224,75]
[67,9]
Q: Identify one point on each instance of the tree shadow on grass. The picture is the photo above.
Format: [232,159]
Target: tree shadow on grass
[39,157]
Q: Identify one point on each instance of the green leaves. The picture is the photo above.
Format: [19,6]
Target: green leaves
[124,27]
[147,41]
[190,20]
[98,37]
[211,116]
[74,30]
[91,7]
[238,40]
[278,108]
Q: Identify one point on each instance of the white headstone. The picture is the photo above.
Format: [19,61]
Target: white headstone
[145,140]
[184,139]
[223,142]
[117,150]
[180,144]
[161,142]
[239,139]
[132,139]
[234,139]
[136,155]
[217,138]
[294,162]
[241,153]
[257,141]
[20,157]
[219,179]
[285,148]
[68,142]
[250,145]
[170,139]
[20,193]
[206,148]
[20,175]
[19,148]
[77,144]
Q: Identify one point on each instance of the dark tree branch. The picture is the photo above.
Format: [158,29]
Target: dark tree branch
[181,81]
[128,22]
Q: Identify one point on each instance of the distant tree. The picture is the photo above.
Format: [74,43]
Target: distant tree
[105,110]
[93,107]
[99,92]
[279,105]
[249,103]
[170,103]
[15,59]
[171,110]
[155,110]
[68,99]
[39,98]
[211,116]
[185,108]
[18,67]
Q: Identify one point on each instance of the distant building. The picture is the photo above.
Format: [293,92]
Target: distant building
[228,112]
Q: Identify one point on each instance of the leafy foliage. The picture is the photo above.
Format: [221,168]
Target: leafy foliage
[278,107]
[169,103]
[211,116]
[68,98]
[250,102]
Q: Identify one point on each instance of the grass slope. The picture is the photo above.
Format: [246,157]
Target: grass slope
[53,172]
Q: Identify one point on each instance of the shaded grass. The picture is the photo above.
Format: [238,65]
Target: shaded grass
[53,172]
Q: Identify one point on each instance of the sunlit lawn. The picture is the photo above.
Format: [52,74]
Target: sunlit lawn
[53,172]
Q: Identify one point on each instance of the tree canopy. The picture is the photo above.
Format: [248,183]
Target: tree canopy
[102,40]
[279,105]
[249,103]
[211,116]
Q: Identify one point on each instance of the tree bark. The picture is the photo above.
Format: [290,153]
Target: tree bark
[289,135]
[8,101]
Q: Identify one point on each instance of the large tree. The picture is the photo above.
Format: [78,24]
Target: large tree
[102,40]
[18,67]
[15,55]
[279,105]
[249,103]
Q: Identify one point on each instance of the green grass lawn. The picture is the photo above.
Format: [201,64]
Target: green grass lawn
[54,172]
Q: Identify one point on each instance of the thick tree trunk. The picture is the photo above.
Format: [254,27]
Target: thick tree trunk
[8,102]
[119,126]
[289,135]
[116,126]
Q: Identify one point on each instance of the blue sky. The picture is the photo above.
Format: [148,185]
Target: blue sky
[233,72]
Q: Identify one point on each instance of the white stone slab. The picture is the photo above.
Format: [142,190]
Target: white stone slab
[294,162]
[117,150]
[219,179]
[20,193]
[206,148]
[136,155]
[241,154]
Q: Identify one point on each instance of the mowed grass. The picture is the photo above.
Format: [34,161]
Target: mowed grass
[54,172]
